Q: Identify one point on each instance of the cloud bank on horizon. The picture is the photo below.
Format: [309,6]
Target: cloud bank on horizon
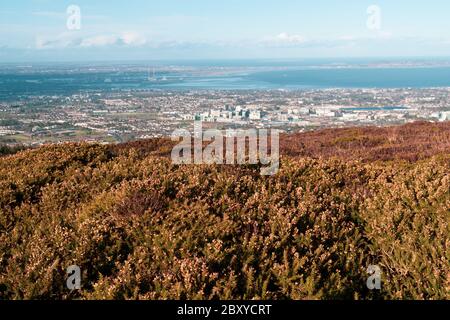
[35,30]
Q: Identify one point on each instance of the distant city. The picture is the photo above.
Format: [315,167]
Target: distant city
[124,116]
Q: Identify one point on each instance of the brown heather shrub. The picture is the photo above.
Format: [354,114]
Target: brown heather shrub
[410,142]
[408,224]
[142,228]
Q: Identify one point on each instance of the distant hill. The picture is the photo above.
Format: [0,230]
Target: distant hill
[140,227]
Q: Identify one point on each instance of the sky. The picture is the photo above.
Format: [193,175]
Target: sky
[102,30]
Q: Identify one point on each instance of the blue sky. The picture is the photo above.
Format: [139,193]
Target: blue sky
[36,30]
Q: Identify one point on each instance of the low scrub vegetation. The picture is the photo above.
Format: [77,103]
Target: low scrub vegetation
[140,227]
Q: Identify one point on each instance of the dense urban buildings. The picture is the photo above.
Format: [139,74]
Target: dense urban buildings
[124,115]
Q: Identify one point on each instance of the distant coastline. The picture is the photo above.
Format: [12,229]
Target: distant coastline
[60,78]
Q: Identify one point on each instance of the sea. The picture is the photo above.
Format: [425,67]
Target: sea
[72,78]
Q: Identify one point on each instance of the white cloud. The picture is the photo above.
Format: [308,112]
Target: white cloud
[99,41]
[283,39]
[63,40]
[133,38]
[290,38]
[287,40]
[68,40]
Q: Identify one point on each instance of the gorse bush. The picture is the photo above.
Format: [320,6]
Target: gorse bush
[140,227]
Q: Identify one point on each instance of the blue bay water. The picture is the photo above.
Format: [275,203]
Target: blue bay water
[358,78]
[20,84]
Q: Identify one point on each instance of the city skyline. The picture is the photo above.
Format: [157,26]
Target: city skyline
[39,30]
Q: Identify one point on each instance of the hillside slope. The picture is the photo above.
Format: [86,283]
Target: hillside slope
[142,228]
[410,142]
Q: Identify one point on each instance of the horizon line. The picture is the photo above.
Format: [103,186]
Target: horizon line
[229,59]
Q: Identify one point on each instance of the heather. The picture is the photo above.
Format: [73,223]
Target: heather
[140,227]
